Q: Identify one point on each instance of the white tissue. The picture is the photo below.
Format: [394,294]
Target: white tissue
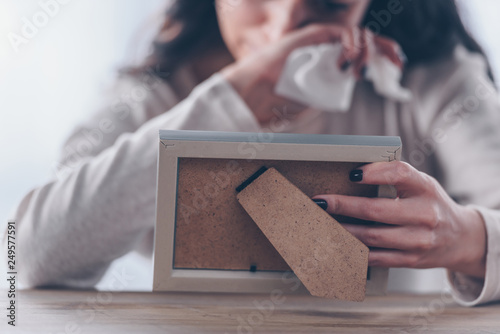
[311,76]
[386,76]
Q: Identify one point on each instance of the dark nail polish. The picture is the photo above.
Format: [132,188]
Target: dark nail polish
[345,65]
[363,72]
[356,175]
[321,203]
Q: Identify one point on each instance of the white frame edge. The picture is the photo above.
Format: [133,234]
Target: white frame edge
[166,278]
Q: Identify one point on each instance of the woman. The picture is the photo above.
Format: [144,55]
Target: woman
[214,68]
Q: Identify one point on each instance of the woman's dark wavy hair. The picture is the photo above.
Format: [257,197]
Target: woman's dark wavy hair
[426,30]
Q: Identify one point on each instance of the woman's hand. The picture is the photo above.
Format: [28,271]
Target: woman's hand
[255,76]
[425,227]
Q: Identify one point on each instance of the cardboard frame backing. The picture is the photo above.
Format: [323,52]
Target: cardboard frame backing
[250,149]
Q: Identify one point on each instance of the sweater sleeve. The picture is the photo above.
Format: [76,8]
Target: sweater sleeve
[72,228]
[471,291]
[466,137]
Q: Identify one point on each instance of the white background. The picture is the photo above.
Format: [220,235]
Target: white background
[53,82]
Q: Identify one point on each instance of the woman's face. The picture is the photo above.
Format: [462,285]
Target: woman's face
[249,25]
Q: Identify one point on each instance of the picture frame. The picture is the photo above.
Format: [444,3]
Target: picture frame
[192,255]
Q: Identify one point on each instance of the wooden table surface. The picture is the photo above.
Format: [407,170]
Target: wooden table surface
[65,311]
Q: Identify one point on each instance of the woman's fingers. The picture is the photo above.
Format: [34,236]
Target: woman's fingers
[356,45]
[383,210]
[392,258]
[390,49]
[313,34]
[350,50]
[356,51]
[363,55]
[390,237]
[407,180]
[409,208]
[358,48]
[405,238]
[272,59]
